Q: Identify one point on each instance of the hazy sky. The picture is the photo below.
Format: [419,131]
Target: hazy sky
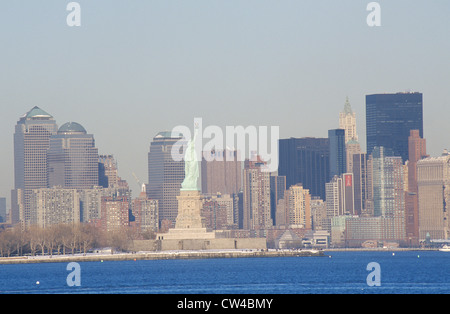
[137,67]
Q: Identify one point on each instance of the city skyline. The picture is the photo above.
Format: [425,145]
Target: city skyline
[279,57]
[135,190]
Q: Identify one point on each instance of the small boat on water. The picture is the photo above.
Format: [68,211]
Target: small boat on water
[445,248]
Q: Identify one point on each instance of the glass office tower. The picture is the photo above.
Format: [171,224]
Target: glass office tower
[165,175]
[31,142]
[72,158]
[306,161]
[338,160]
[389,119]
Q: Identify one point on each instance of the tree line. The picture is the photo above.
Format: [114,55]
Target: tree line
[64,239]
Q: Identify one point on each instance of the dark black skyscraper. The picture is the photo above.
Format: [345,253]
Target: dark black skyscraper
[338,156]
[390,117]
[306,161]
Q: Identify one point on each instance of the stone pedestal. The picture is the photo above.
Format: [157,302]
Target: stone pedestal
[189,210]
[189,223]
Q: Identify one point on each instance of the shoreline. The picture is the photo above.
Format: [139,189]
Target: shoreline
[201,254]
[165,255]
[378,249]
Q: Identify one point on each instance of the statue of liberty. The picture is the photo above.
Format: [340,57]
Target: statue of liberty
[191,169]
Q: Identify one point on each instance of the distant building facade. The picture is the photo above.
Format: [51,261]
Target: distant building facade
[256,211]
[31,142]
[389,119]
[115,213]
[298,207]
[347,121]
[2,209]
[165,175]
[338,155]
[145,211]
[277,191]
[363,184]
[219,211]
[72,158]
[417,151]
[221,172]
[107,171]
[388,191]
[306,161]
[55,206]
[433,181]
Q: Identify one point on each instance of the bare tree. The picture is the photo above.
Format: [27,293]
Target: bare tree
[20,239]
[40,238]
[73,237]
[31,236]
[119,239]
[87,236]
[7,243]
[50,239]
[76,238]
[65,236]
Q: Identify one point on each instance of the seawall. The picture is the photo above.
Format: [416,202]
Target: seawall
[157,256]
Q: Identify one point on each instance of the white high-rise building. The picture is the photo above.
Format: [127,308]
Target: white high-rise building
[347,121]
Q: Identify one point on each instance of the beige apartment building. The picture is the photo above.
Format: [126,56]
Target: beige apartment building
[55,206]
[433,180]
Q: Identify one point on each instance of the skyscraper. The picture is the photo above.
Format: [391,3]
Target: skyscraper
[306,161]
[417,151]
[108,173]
[31,142]
[298,207]
[72,158]
[390,117]
[334,200]
[256,196]
[145,212]
[362,175]
[221,174]
[388,183]
[2,209]
[165,175]
[347,121]
[433,181]
[338,158]
[388,191]
[277,189]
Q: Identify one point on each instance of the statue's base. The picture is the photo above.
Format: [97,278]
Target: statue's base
[205,244]
[184,234]
[189,210]
[189,224]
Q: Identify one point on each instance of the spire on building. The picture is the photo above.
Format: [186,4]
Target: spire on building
[347,107]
